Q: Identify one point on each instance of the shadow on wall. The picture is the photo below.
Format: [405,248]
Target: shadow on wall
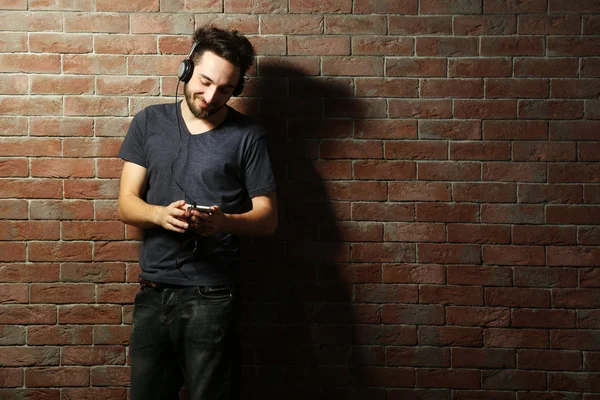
[298,317]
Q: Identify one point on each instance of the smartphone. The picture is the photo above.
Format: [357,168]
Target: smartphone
[202,209]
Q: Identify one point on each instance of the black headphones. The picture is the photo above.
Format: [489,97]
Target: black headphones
[186,69]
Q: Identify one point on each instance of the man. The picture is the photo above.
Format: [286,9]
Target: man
[195,152]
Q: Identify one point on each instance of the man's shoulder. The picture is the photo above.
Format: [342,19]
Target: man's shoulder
[160,110]
[244,123]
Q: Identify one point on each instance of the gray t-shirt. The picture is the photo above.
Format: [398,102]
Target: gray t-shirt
[226,166]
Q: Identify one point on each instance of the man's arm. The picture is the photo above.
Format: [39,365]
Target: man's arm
[260,221]
[135,211]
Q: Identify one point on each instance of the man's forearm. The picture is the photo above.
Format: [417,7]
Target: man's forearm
[251,223]
[134,211]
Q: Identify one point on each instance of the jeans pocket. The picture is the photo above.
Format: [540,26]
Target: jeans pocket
[222,292]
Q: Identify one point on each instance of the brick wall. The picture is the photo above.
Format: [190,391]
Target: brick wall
[438,166]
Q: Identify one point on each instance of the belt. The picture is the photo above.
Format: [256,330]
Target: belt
[161,285]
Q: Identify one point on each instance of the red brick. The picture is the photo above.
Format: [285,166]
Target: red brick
[573,256]
[96,355]
[513,380]
[574,340]
[13,126]
[515,130]
[96,22]
[85,5]
[553,67]
[453,88]
[315,6]
[59,251]
[519,338]
[589,277]
[517,297]
[449,171]
[446,46]
[62,293]
[31,188]
[451,295]
[13,209]
[480,68]
[517,88]
[495,151]
[14,5]
[420,150]
[112,334]
[441,108]
[413,314]
[591,361]
[419,25]
[14,167]
[512,214]
[318,45]
[512,46]
[30,147]
[478,316]
[291,24]
[379,87]
[591,194]
[544,235]
[575,88]
[450,336]
[11,377]
[591,109]
[549,25]
[14,293]
[12,251]
[94,64]
[485,25]
[62,85]
[354,108]
[30,63]
[306,66]
[61,209]
[589,152]
[60,43]
[355,24]
[387,293]
[93,393]
[455,7]
[549,360]
[385,129]
[37,105]
[526,318]
[93,272]
[14,84]
[109,168]
[246,24]
[588,235]
[59,335]
[444,212]
[30,230]
[573,172]
[31,21]
[382,45]
[449,253]
[484,192]
[386,170]
[381,334]
[352,66]
[92,189]
[116,251]
[514,255]
[590,67]
[414,232]
[419,191]
[29,356]
[483,358]
[89,314]
[415,67]
[57,376]
[27,314]
[567,214]
[573,46]
[382,212]
[417,356]
[544,151]
[575,298]
[544,277]
[95,106]
[514,172]
[152,65]
[485,109]
[109,230]
[377,7]
[62,168]
[384,252]
[522,7]
[574,381]
[478,233]
[59,126]
[479,275]
[448,378]
[417,273]
[28,272]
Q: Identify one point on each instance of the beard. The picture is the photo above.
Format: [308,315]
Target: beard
[198,111]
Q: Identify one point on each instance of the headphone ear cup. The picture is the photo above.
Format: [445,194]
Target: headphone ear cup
[185,71]
[239,88]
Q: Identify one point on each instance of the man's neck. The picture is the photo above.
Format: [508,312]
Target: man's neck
[196,125]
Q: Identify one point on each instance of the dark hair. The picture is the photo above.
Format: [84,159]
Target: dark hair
[230,45]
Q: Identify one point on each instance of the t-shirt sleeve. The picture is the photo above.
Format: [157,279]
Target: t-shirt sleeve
[258,175]
[132,148]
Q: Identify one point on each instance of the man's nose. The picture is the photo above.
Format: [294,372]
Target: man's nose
[209,94]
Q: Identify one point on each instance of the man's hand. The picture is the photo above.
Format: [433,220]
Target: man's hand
[172,217]
[207,224]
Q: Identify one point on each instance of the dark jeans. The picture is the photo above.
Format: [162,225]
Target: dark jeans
[185,335]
